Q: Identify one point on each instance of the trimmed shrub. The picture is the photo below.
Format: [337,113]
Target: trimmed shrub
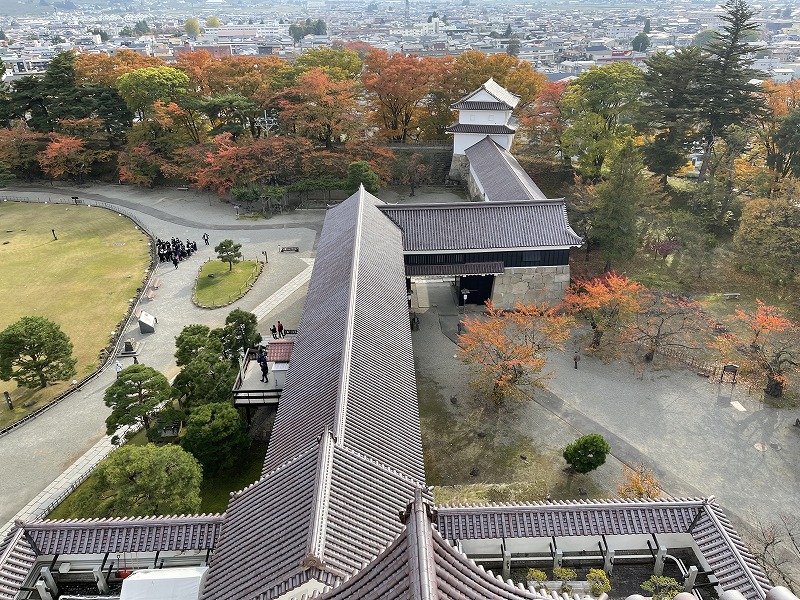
[598,581]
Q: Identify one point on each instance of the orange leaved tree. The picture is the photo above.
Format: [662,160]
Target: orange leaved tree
[638,482]
[770,347]
[609,302]
[508,346]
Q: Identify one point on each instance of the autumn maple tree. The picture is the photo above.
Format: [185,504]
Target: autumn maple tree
[508,347]
[609,302]
[322,108]
[67,156]
[19,148]
[397,86]
[666,321]
[766,341]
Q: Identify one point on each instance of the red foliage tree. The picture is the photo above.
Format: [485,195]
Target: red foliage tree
[508,346]
[609,302]
[397,86]
[322,108]
[771,346]
[67,156]
[19,149]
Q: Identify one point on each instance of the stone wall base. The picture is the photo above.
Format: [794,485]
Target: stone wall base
[530,284]
[459,168]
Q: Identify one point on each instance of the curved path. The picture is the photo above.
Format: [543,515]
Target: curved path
[36,454]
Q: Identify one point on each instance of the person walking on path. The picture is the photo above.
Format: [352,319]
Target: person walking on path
[205,238]
[280,330]
[274,331]
[576,358]
[175,262]
[118,367]
[264,372]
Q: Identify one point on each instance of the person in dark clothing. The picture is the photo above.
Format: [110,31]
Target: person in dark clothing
[175,261]
[264,372]
[205,239]
[274,331]
[280,330]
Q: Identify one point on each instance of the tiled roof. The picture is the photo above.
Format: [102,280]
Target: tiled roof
[352,367]
[265,532]
[480,226]
[26,541]
[500,175]
[350,395]
[280,350]
[476,128]
[733,566]
[476,268]
[140,534]
[478,105]
[16,559]
[421,565]
[498,91]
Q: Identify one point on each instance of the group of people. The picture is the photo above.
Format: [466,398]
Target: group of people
[174,250]
[277,331]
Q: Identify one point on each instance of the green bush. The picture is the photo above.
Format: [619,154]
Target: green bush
[598,581]
[564,574]
[566,588]
[662,588]
[536,575]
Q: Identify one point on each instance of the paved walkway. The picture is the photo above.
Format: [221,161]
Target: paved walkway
[699,437]
[47,454]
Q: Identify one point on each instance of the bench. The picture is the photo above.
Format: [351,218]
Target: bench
[733,296]
[290,249]
[150,294]
[183,188]
[290,331]
[156,284]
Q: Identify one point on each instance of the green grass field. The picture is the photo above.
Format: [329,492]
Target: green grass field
[227,284]
[83,281]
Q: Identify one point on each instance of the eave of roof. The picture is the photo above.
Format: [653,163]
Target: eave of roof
[483,226]
[480,129]
[497,91]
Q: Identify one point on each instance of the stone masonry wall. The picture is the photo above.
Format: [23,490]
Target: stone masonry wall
[459,168]
[530,284]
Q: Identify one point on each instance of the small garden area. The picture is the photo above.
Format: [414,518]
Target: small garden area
[219,284]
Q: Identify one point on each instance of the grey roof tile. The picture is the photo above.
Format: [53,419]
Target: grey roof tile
[477,128]
[495,89]
[500,175]
[479,105]
[140,534]
[712,531]
[16,559]
[480,226]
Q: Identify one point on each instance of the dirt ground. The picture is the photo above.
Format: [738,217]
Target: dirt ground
[478,452]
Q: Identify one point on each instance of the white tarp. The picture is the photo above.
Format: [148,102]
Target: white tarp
[182,583]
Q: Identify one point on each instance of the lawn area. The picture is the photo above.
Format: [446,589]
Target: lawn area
[83,281]
[214,491]
[218,284]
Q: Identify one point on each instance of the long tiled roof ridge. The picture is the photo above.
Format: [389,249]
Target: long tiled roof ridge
[340,419]
[320,503]
[476,205]
[582,503]
[116,521]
